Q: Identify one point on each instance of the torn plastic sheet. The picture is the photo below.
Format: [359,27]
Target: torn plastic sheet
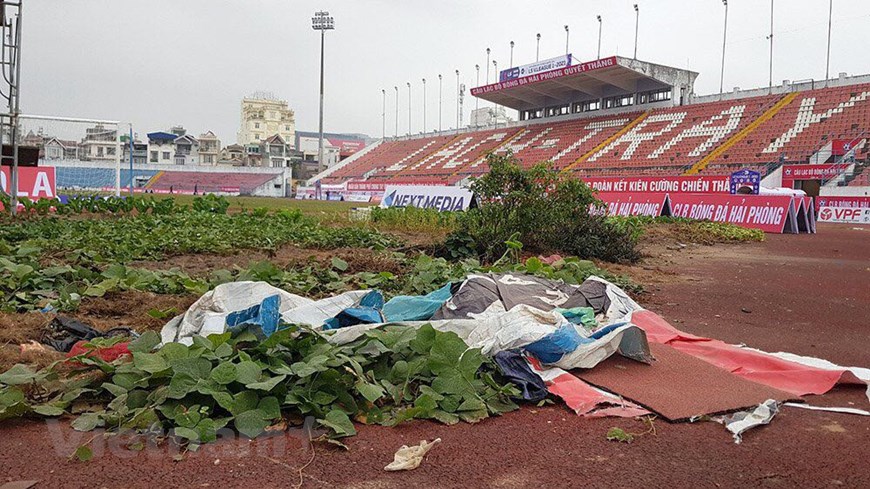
[790,375]
[862,374]
[582,398]
[842,410]
[739,423]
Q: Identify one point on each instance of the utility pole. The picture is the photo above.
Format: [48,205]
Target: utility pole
[384,116]
[396,88]
[322,22]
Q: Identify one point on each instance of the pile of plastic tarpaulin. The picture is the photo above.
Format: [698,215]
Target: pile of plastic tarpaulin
[537,331]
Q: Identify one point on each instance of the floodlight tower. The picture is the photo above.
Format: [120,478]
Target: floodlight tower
[512,54]
[384,116]
[322,22]
[636,22]
[477,99]
[599,36]
[440,99]
[487,65]
[424,106]
[724,38]
[458,98]
[566,38]
[538,48]
[409,107]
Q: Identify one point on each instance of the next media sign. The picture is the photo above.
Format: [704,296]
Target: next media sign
[427,197]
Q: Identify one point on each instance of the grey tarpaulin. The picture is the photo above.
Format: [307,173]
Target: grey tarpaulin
[480,292]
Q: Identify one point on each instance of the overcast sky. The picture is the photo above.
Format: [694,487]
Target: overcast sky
[158,63]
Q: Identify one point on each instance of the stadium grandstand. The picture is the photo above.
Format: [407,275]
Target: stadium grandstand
[75,175]
[624,117]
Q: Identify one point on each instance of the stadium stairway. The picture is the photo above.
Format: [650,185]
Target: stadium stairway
[154,179]
[607,141]
[722,148]
[344,163]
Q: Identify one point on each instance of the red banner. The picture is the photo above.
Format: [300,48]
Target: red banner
[634,204]
[547,75]
[34,182]
[677,184]
[790,173]
[771,214]
[840,147]
[842,201]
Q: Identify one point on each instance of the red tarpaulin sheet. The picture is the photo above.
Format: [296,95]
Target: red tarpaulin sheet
[769,370]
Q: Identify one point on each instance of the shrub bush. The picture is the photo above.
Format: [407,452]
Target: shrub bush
[545,210]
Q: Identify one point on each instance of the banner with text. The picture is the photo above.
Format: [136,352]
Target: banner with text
[34,182]
[790,173]
[534,68]
[427,197]
[634,204]
[707,184]
[842,201]
[851,215]
[547,75]
[771,214]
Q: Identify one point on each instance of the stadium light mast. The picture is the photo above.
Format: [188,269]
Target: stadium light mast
[477,99]
[384,115]
[599,36]
[396,88]
[636,23]
[440,93]
[770,83]
[567,32]
[409,107]
[424,106]
[538,48]
[322,22]
[495,66]
[487,65]
[457,99]
[724,38]
[512,54]
[828,57]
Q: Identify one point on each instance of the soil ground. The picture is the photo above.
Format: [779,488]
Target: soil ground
[806,294]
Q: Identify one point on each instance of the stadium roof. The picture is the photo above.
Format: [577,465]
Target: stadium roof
[585,81]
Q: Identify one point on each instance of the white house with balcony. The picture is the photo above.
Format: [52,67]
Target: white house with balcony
[186,150]
[161,148]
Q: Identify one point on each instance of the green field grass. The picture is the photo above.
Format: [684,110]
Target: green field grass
[308,207]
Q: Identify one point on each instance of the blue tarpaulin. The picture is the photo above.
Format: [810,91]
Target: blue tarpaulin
[262,319]
[416,308]
[367,311]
